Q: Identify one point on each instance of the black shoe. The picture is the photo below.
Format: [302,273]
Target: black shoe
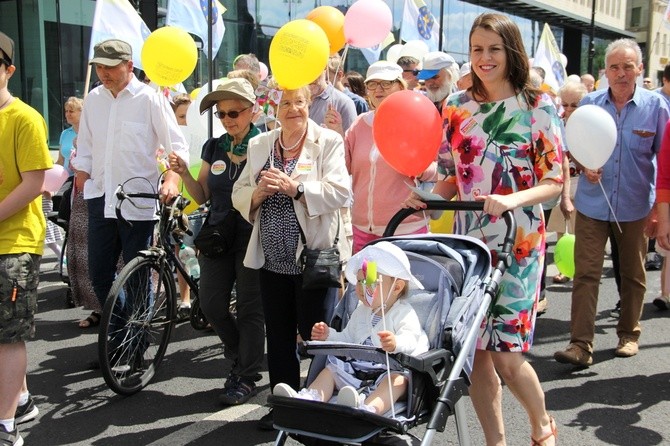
[238,392]
[653,262]
[266,423]
[26,412]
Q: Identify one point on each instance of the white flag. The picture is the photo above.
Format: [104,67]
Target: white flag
[419,24]
[548,56]
[191,16]
[117,19]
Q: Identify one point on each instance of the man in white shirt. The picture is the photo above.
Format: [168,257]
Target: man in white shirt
[123,124]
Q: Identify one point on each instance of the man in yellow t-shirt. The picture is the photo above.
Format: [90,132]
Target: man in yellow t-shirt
[23,159]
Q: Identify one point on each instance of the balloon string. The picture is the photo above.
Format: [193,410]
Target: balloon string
[270,142]
[388,365]
[610,206]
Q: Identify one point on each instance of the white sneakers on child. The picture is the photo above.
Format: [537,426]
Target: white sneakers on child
[283,389]
[349,396]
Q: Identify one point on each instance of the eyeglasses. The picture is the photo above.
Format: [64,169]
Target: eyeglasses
[300,103]
[372,85]
[414,72]
[231,114]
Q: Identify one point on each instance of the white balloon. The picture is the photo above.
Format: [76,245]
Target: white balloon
[414,48]
[591,135]
[393,53]
[197,123]
[564,59]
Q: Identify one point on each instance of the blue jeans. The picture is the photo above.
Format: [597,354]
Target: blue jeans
[107,239]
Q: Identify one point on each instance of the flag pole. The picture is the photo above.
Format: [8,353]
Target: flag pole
[210,65]
[439,45]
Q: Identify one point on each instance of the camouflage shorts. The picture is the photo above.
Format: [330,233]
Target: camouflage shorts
[19,276]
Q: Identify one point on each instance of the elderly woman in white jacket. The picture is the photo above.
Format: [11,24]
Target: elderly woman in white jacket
[295,178]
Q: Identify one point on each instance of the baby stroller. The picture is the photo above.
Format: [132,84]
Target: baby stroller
[459,283]
[62,202]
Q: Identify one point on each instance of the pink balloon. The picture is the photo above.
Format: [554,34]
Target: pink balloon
[264,71]
[54,178]
[367,23]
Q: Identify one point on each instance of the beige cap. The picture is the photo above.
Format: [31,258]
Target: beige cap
[7,47]
[111,52]
[236,88]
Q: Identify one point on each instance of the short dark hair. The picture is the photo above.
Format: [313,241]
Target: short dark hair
[406,61]
[666,72]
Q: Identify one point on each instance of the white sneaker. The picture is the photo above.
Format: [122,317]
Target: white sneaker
[283,389]
[348,396]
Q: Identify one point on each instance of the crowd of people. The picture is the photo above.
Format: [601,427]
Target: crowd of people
[310,176]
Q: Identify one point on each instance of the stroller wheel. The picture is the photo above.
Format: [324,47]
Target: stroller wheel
[69,300]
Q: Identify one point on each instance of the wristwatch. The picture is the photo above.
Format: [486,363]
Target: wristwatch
[301,190]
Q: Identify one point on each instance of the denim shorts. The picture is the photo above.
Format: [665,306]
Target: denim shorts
[19,277]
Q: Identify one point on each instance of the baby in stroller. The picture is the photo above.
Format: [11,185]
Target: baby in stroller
[381,273]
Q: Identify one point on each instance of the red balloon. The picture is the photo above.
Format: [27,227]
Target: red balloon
[408,131]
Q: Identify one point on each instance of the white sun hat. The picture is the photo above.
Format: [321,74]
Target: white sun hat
[391,261]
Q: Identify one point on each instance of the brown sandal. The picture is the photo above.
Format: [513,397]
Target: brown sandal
[553,433]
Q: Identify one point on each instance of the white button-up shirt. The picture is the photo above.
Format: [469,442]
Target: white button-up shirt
[118,140]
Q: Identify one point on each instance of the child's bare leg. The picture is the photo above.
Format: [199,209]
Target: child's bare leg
[380,399]
[324,384]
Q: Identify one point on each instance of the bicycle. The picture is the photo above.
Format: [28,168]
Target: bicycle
[141,307]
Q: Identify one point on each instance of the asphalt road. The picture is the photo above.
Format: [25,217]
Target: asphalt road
[616,401]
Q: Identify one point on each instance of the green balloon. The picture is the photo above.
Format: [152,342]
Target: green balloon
[564,255]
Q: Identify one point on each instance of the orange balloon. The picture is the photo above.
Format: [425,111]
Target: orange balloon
[331,20]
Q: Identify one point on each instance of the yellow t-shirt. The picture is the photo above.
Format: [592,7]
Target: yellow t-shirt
[23,147]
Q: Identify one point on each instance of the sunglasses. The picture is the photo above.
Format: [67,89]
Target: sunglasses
[565,105]
[5,62]
[414,72]
[231,114]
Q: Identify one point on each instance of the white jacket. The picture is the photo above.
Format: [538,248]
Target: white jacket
[322,170]
[401,320]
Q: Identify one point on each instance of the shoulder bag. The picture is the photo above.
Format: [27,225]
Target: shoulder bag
[321,268]
[217,240]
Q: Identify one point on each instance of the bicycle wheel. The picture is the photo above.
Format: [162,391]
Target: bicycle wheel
[136,324]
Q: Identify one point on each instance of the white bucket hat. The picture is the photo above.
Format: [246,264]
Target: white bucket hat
[391,261]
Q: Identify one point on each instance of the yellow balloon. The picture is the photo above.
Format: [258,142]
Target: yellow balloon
[194,93]
[169,56]
[192,206]
[444,224]
[298,53]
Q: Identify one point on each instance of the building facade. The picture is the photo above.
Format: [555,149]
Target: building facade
[53,36]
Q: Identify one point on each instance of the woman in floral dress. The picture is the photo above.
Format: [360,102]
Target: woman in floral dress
[503,146]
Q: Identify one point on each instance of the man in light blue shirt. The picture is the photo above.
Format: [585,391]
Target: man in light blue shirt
[628,178]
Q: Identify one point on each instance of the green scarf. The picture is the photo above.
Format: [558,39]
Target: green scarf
[226,142]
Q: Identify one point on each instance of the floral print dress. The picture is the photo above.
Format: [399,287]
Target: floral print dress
[504,147]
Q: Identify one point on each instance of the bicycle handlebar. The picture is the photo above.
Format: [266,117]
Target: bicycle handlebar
[179,202]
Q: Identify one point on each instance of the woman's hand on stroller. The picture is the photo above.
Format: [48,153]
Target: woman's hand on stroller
[387,340]
[496,205]
[320,331]
[414,202]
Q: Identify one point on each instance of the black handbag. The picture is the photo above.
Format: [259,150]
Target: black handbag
[217,240]
[321,268]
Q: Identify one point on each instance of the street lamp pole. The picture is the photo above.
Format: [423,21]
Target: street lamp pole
[592,43]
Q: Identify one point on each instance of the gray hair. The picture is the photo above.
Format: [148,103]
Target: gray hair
[624,44]
[573,86]
[535,78]
[454,74]
[247,62]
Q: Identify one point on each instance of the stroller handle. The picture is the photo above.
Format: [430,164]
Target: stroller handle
[444,205]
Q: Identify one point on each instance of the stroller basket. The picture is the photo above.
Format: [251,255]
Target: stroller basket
[458,284]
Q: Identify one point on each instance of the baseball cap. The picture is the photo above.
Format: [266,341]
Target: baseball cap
[383,71]
[465,69]
[7,47]
[391,261]
[111,52]
[236,88]
[433,62]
